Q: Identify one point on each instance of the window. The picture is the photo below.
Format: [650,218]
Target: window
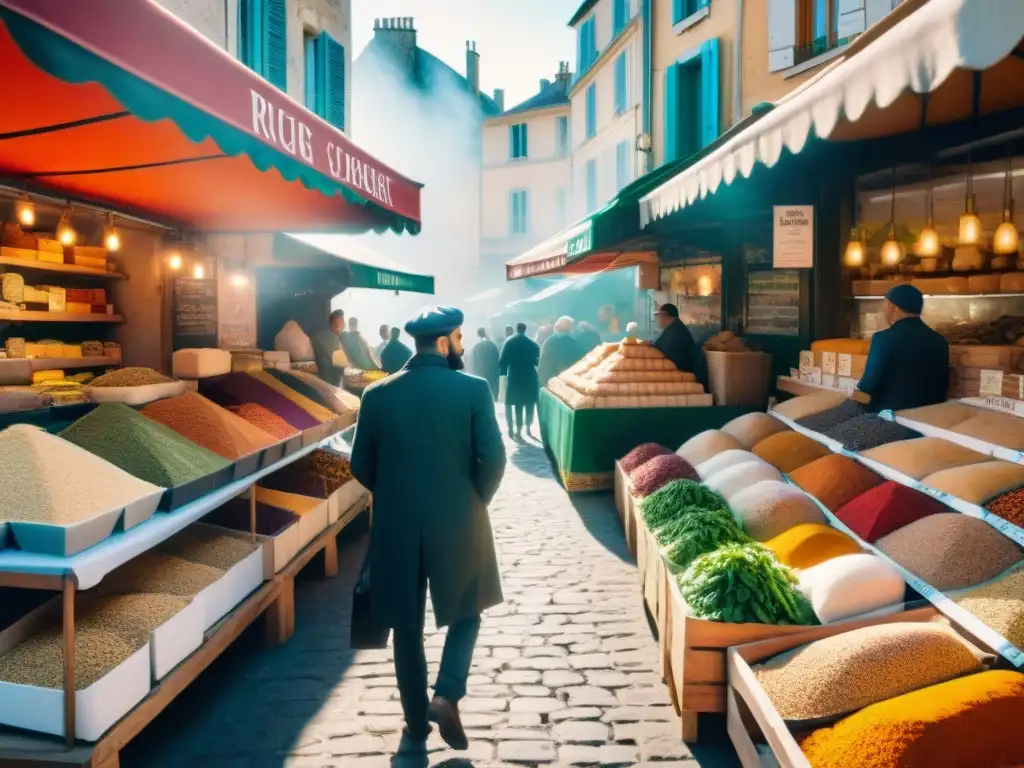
[586,46]
[325,78]
[817,28]
[591,110]
[691,103]
[620,84]
[262,39]
[519,223]
[621,165]
[562,136]
[591,181]
[620,16]
[517,141]
[683,9]
[560,206]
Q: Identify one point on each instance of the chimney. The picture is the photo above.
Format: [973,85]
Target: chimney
[544,84]
[396,36]
[499,98]
[472,67]
[563,72]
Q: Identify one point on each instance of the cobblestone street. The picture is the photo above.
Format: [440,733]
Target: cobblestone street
[565,671]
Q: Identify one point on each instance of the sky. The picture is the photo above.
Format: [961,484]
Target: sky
[520,42]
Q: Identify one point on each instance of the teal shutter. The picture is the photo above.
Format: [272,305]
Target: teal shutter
[620,84]
[524,140]
[511,142]
[332,82]
[671,113]
[678,11]
[703,4]
[591,110]
[709,91]
[250,34]
[310,51]
[275,43]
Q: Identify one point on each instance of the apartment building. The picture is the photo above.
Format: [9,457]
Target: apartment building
[526,178]
[606,102]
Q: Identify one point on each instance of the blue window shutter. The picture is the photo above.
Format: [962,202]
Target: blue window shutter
[703,4]
[310,51]
[620,83]
[591,110]
[524,211]
[709,91]
[511,141]
[671,112]
[678,11]
[250,34]
[331,82]
[523,146]
[275,43]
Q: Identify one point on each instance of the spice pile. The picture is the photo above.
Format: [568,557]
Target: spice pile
[809,544]
[265,419]
[752,428]
[334,468]
[207,424]
[771,507]
[142,447]
[735,479]
[999,605]
[788,451]
[852,585]
[943,415]
[887,508]
[132,617]
[641,455]
[706,445]
[924,456]
[657,472]
[38,660]
[978,483]
[160,574]
[1009,506]
[205,545]
[808,405]
[131,377]
[318,412]
[240,389]
[862,433]
[835,480]
[724,460]
[832,417]
[337,399]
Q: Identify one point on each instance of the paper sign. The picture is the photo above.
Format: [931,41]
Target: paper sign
[793,237]
[828,380]
[828,362]
[806,362]
[794,373]
[814,376]
[847,385]
[844,365]
[991,383]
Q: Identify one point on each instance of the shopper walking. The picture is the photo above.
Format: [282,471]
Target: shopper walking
[560,351]
[385,336]
[484,361]
[429,448]
[519,359]
[395,354]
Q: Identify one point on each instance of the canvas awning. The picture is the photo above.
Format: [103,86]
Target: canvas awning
[118,103]
[938,48]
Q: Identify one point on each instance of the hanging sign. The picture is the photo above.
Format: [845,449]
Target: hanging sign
[793,237]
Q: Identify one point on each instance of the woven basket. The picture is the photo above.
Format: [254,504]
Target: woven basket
[739,378]
[15,347]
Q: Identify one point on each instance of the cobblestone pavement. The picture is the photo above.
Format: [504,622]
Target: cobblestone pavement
[565,671]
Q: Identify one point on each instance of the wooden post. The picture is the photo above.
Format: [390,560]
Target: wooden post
[331,557]
[68,605]
[279,619]
[252,514]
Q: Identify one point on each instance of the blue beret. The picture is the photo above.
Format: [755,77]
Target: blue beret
[906,297]
[435,322]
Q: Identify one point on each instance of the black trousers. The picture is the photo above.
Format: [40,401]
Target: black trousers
[523,413]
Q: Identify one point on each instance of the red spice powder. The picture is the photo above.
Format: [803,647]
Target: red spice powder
[660,471]
[265,419]
[834,480]
[885,508]
[642,454]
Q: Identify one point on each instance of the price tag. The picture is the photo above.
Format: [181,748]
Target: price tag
[828,362]
[992,383]
[844,365]
[828,380]
[794,373]
[806,362]
[1004,404]
[814,376]
[847,385]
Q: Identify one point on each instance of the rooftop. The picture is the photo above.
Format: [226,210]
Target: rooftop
[551,94]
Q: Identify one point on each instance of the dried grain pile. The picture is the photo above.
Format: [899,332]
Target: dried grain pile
[39,659]
[788,451]
[205,545]
[340,401]
[130,377]
[997,428]
[301,387]
[832,417]
[707,444]
[887,508]
[950,550]
[834,480]
[207,424]
[943,415]
[132,617]
[142,447]
[265,419]
[160,574]
[47,479]
[318,412]
[845,672]
[771,507]
[1000,605]
[724,460]
[966,722]
[806,405]
[238,389]
[734,480]
[851,585]
[752,428]
[641,455]
[1009,506]
[809,544]
[658,472]
[979,483]
[924,456]
[862,433]
[335,469]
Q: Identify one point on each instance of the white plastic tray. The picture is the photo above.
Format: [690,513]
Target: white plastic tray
[137,395]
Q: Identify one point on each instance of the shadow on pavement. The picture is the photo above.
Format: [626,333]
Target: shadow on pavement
[597,511]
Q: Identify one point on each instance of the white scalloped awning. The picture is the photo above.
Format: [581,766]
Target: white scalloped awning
[914,50]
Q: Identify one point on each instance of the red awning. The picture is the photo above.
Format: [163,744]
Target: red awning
[119,103]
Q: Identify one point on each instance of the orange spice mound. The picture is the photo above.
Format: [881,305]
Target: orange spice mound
[203,422]
[834,480]
[265,419]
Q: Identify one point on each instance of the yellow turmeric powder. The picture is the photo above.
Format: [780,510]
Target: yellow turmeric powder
[970,721]
[808,544]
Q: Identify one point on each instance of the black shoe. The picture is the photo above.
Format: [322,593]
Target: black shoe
[417,735]
[446,714]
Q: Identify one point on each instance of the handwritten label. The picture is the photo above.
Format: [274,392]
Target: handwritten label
[828,362]
[793,237]
[814,376]
[847,385]
[806,362]
[828,380]
[844,365]
[992,383]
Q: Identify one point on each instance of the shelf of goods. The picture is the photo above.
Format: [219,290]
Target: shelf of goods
[67,269]
[843,537]
[147,599]
[619,395]
[34,316]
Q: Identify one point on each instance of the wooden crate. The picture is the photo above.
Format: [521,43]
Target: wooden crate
[626,505]
[749,708]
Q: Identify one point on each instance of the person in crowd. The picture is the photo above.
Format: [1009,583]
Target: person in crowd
[543,334]
[509,333]
[395,354]
[429,448]
[587,336]
[385,337]
[908,363]
[356,348]
[675,341]
[608,324]
[326,342]
[484,361]
[560,351]
[519,359]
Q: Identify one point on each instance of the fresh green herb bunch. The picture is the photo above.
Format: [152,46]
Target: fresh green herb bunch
[697,531]
[744,583]
[667,503]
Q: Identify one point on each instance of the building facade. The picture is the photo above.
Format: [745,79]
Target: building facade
[525,179]
[606,115]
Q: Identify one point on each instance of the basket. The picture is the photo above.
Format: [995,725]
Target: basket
[15,347]
[739,378]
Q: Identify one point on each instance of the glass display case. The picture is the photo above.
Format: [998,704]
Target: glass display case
[695,287]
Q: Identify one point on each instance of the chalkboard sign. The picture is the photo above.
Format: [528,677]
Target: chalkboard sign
[194,313]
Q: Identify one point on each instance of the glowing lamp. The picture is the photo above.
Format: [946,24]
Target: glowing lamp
[25,212]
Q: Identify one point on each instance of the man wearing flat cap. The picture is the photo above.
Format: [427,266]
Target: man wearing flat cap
[429,448]
[908,363]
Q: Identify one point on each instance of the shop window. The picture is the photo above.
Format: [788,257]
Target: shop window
[325,78]
[562,136]
[519,213]
[817,28]
[620,16]
[262,39]
[695,287]
[586,46]
[683,9]
[517,141]
[591,182]
[621,165]
[620,84]
[691,103]
[591,110]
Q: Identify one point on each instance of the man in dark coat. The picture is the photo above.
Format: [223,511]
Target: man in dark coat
[357,350]
[429,448]
[559,352]
[675,342]
[395,354]
[484,361]
[519,359]
[908,363]
[325,343]
[587,336]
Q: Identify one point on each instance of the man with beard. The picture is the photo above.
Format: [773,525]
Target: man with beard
[429,448]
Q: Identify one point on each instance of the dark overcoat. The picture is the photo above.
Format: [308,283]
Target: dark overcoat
[907,367]
[428,447]
[519,359]
[559,352]
[394,356]
[484,362]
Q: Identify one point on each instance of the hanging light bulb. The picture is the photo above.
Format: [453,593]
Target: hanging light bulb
[1006,238]
[970,224]
[65,231]
[111,237]
[25,212]
[892,250]
[239,280]
[174,262]
[198,272]
[928,243]
[854,255]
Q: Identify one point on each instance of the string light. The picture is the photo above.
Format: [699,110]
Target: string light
[111,237]
[1006,239]
[970,224]
[25,212]
[65,231]
[198,272]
